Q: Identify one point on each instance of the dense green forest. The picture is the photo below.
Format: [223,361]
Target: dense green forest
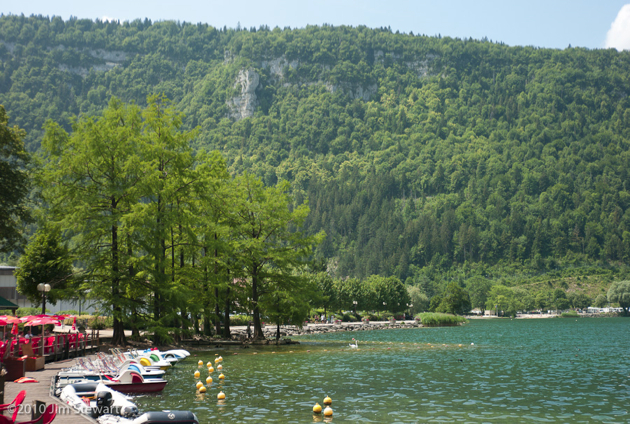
[429,159]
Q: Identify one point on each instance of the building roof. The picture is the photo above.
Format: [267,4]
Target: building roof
[6,304]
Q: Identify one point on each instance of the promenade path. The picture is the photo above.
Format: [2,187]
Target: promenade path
[41,391]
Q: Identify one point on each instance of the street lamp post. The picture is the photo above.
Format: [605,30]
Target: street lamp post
[409,306]
[44,288]
[354,305]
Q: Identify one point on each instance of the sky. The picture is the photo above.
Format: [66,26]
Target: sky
[542,23]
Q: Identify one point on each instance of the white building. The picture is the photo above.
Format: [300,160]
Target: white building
[8,290]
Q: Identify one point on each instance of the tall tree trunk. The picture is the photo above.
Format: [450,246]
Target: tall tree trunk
[226,321]
[258,333]
[207,327]
[183,327]
[175,322]
[217,310]
[160,271]
[135,332]
[118,337]
[206,307]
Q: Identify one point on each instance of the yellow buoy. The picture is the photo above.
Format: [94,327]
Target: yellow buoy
[197,374]
[327,400]
[200,363]
[208,380]
[221,376]
[317,408]
[199,384]
[328,411]
[221,396]
[202,389]
[219,367]
[210,368]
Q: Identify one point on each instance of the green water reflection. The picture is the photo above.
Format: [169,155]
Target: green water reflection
[547,370]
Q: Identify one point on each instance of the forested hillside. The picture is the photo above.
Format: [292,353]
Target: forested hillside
[421,157]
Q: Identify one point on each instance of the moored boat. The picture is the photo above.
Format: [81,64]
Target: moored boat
[155,417]
[108,406]
[127,382]
[88,399]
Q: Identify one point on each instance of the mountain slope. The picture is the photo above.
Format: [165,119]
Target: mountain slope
[416,153]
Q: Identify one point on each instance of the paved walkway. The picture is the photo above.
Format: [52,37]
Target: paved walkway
[41,391]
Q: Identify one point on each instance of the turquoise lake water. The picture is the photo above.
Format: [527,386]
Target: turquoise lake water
[539,370]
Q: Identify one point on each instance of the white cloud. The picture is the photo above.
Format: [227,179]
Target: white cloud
[618,35]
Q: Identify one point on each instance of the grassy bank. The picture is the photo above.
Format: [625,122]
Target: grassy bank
[435,319]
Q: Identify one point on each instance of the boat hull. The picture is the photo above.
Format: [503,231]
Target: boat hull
[146,387]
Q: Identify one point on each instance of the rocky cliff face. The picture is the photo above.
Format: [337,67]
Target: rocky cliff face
[243,106]
[111,59]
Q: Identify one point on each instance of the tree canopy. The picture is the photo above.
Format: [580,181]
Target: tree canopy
[15,182]
[429,159]
[619,292]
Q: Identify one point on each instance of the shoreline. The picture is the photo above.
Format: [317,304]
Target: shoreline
[239,333]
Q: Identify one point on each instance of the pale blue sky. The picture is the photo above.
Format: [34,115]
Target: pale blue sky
[550,23]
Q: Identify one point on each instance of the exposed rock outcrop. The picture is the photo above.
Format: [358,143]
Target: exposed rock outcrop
[355,91]
[243,106]
[276,66]
[421,66]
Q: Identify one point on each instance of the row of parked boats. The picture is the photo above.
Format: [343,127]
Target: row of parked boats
[98,386]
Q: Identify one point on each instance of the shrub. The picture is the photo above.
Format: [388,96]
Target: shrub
[436,319]
[100,323]
[348,318]
[22,312]
[569,314]
[239,319]
[68,312]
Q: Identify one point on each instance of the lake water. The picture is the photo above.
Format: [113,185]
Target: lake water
[539,370]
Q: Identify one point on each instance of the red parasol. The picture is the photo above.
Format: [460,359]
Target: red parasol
[28,318]
[9,319]
[74,324]
[43,321]
[15,330]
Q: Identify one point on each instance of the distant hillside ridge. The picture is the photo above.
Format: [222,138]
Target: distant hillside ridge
[418,155]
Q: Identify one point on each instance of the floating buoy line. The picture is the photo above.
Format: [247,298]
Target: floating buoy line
[317,409]
[328,412]
[200,387]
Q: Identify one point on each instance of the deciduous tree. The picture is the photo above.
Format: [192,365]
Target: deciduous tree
[14,183]
[91,181]
[46,260]
[619,292]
